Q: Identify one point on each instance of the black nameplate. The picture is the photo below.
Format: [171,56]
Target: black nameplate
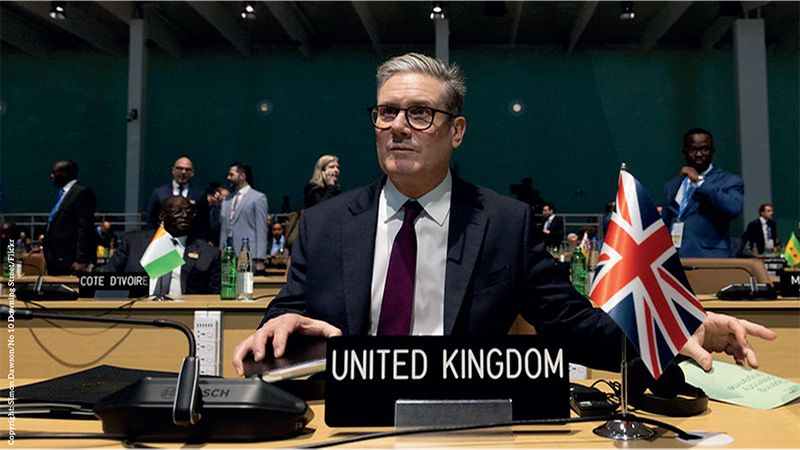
[790,283]
[365,376]
[113,285]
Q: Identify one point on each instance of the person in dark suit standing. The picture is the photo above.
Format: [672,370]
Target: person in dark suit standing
[181,184]
[421,251]
[761,233]
[553,226]
[701,202]
[200,273]
[70,244]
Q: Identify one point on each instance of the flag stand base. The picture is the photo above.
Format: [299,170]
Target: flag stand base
[624,428]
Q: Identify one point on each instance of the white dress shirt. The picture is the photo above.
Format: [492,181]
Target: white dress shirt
[431,227]
[178,190]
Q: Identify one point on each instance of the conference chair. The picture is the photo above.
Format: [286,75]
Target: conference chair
[709,275]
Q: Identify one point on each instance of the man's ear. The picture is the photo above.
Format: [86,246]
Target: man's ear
[459,128]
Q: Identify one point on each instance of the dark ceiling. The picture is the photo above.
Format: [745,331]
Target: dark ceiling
[314,26]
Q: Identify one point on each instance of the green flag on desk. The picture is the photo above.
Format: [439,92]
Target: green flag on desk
[792,253]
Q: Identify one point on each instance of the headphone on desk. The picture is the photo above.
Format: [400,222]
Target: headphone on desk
[670,395]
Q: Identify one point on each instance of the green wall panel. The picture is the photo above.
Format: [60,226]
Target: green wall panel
[584,115]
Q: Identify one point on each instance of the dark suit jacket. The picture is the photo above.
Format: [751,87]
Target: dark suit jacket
[70,236]
[198,276]
[496,270]
[195,195]
[708,214]
[754,234]
[556,232]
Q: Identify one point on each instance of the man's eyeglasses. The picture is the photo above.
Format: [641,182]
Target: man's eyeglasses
[704,150]
[183,169]
[419,118]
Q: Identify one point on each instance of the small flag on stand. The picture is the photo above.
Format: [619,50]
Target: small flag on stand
[585,245]
[640,281]
[792,253]
[161,256]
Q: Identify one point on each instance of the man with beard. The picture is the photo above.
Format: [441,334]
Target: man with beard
[244,214]
[701,202]
[201,269]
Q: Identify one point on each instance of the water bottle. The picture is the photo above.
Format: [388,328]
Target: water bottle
[578,271]
[244,273]
[227,289]
[594,257]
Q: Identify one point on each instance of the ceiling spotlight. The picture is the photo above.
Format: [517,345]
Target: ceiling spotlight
[248,11]
[437,12]
[57,11]
[627,11]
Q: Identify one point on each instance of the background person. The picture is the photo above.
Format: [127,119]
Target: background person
[69,242]
[200,273]
[324,183]
[700,203]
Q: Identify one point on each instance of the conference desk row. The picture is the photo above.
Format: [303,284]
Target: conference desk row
[46,348]
[739,427]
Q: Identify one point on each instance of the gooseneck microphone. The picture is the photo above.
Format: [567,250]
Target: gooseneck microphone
[155,409]
[188,401]
[751,291]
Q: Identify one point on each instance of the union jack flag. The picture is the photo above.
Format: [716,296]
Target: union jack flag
[639,280]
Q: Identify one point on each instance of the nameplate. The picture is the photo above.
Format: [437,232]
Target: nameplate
[790,283]
[113,285]
[365,376]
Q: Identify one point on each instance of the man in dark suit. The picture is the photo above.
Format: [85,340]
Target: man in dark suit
[553,226]
[761,233]
[422,252]
[200,273]
[181,184]
[701,202]
[69,245]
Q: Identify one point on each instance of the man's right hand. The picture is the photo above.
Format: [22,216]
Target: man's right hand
[279,329]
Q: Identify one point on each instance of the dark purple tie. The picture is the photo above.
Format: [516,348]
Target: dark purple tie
[398,292]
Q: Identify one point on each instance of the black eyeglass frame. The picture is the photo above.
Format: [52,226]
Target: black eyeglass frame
[373,115]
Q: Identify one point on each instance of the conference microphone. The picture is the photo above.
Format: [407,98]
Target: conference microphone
[161,410]
[741,291]
[187,404]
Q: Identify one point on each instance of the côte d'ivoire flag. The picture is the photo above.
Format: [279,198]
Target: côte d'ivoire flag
[161,256]
[640,281]
[792,253]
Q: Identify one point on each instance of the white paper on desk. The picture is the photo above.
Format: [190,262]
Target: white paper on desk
[741,385]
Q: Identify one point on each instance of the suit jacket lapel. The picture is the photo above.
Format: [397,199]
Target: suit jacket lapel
[68,198]
[188,265]
[240,205]
[467,227]
[358,249]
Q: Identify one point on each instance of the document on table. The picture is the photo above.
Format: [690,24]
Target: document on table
[740,385]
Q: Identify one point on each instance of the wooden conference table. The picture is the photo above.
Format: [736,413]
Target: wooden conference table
[748,428]
[49,348]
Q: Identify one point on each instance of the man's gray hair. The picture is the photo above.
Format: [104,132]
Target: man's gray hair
[455,87]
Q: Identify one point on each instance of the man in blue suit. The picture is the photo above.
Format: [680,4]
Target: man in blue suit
[701,202]
[421,251]
[181,184]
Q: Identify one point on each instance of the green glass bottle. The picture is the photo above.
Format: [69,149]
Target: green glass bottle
[578,271]
[227,289]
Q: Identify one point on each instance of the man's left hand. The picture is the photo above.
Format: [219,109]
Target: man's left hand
[260,267]
[78,267]
[725,333]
